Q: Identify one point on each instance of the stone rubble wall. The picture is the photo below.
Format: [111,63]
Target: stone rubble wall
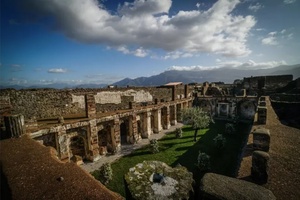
[51,103]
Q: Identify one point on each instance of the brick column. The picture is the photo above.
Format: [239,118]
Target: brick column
[90,106]
[116,135]
[173,115]
[178,111]
[186,92]
[133,132]
[146,124]
[166,117]
[92,139]
[157,121]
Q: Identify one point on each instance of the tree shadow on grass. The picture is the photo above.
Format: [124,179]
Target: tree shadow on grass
[225,161]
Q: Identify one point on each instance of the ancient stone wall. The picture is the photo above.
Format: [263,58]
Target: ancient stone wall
[51,103]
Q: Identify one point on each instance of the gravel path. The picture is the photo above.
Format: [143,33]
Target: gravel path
[284,164]
[126,149]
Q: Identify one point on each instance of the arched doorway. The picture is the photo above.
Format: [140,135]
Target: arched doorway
[77,146]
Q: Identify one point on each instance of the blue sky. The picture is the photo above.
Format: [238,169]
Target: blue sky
[90,41]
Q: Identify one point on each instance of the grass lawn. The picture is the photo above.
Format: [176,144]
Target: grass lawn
[185,151]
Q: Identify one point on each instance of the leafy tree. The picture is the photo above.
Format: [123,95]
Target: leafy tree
[196,117]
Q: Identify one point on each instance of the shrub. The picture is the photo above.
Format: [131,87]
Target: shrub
[203,161]
[104,174]
[229,128]
[178,132]
[154,146]
[220,141]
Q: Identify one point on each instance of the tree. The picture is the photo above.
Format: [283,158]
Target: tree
[196,117]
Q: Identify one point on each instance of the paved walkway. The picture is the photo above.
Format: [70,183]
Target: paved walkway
[126,149]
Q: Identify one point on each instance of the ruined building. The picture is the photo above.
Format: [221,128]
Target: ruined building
[92,122]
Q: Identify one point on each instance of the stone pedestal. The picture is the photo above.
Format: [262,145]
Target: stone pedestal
[262,115]
[260,166]
[157,180]
[261,139]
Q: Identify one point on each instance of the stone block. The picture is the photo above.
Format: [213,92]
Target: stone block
[262,115]
[77,159]
[260,166]
[219,187]
[103,150]
[262,98]
[262,103]
[261,139]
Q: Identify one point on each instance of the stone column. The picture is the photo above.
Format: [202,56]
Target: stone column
[116,135]
[92,139]
[173,115]
[262,114]
[261,139]
[173,93]
[166,117]
[157,121]
[186,92]
[146,124]
[63,145]
[260,166]
[178,111]
[14,125]
[90,106]
[133,132]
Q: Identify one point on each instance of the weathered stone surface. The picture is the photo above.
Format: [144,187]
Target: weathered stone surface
[261,139]
[219,187]
[156,180]
[77,159]
[260,166]
[262,115]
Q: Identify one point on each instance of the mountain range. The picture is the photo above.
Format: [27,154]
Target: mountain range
[226,75]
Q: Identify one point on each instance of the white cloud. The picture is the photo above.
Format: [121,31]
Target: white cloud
[250,64]
[57,70]
[198,5]
[145,24]
[139,52]
[289,1]
[271,39]
[255,7]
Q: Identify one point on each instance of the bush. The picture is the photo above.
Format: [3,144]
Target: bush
[154,147]
[230,128]
[220,141]
[104,174]
[178,132]
[203,161]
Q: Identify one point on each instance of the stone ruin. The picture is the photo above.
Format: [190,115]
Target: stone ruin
[156,180]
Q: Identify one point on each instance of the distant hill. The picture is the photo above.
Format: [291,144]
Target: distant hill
[227,75]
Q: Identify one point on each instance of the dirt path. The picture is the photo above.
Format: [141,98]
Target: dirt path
[284,165]
[126,149]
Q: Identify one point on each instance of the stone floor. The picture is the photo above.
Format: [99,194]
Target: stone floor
[126,149]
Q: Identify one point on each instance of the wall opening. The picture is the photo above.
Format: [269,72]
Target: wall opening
[77,146]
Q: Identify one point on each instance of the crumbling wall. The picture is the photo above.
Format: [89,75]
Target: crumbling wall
[51,103]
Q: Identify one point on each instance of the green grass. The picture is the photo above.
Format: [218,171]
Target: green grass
[185,151]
